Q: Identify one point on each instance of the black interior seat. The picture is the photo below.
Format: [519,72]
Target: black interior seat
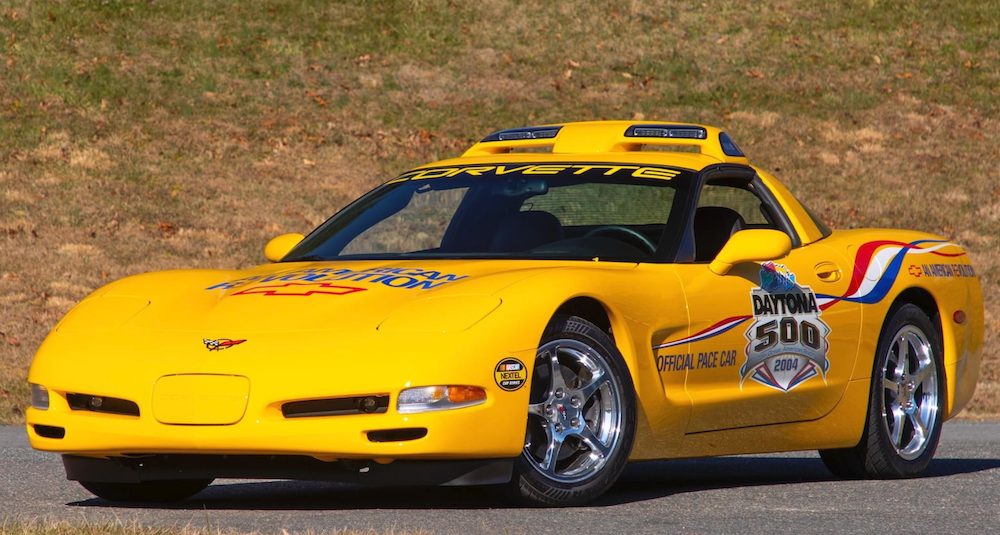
[521,231]
[713,225]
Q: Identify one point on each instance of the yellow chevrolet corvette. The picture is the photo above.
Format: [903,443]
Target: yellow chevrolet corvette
[558,301]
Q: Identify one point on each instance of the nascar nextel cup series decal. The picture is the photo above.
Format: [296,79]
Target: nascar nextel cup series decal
[510,374]
[787,339]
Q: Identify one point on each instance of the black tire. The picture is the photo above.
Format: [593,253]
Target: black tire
[586,414]
[904,405]
[147,491]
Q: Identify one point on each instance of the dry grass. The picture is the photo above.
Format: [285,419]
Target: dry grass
[143,135]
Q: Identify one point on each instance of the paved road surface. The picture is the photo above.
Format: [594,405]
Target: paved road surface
[782,493]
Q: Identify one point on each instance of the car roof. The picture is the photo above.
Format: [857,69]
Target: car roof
[606,141]
[611,142]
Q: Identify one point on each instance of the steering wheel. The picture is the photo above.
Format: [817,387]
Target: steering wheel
[633,237]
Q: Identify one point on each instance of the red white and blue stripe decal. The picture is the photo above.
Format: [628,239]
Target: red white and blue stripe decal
[876,272]
[714,330]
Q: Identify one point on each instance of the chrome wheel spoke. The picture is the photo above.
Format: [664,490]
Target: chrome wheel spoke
[902,355]
[891,387]
[594,442]
[558,381]
[923,372]
[548,463]
[593,386]
[919,428]
[896,433]
[538,409]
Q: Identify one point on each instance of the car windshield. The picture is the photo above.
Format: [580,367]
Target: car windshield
[534,211]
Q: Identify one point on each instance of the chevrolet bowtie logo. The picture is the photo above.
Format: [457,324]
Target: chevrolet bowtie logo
[915,271]
[300,289]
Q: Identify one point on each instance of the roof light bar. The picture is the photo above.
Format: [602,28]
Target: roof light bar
[667,130]
[514,134]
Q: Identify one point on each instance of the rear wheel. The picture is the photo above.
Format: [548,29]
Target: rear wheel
[581,417]
[904,413]
[147,491]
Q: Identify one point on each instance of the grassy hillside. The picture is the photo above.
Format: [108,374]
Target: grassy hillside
[154,134]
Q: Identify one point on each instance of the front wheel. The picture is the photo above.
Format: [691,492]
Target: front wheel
[147,491]
[581,417]
[905,403]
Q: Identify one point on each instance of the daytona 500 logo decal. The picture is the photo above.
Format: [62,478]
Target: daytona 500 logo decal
[787,339]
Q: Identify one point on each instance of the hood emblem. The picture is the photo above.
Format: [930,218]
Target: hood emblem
[221,343]
[299,289]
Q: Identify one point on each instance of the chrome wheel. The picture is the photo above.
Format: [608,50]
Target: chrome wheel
[910,392]
[903,425]
[575,414]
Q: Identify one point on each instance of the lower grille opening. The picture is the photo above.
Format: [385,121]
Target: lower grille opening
[397,435]
[49,431]
[88,402]
[373,404]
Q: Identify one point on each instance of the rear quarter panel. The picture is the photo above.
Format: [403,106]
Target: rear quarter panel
[893,267]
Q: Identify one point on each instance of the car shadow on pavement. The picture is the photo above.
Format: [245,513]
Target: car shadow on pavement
[640,482]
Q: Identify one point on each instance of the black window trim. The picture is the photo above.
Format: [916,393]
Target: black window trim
[685,251]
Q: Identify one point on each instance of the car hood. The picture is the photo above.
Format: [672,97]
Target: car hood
[438,296]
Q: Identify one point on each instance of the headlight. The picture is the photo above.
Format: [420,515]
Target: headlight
[438,398]
[39,397]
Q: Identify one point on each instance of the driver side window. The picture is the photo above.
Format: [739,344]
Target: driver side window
[742,201]
[724,210]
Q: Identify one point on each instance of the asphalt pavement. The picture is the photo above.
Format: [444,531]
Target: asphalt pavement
[772,494]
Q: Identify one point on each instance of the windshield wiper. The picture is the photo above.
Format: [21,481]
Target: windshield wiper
[307,258]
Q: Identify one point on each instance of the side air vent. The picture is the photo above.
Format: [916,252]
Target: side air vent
[373,404]
[49,431]
[88,402]
[397,435]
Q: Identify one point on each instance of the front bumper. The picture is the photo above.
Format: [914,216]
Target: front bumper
[123,365]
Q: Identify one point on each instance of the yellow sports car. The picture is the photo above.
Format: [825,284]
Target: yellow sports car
[534,314]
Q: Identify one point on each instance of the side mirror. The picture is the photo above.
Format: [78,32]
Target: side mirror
[754,245]
[279,246]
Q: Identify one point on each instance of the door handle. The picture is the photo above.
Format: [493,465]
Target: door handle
[828,272]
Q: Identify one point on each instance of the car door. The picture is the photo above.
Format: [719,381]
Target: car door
[763,347]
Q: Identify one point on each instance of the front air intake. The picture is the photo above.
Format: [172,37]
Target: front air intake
[49,431]
[397,435]
[88,402]
[372,404]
